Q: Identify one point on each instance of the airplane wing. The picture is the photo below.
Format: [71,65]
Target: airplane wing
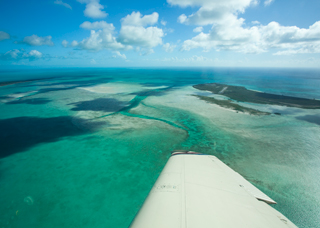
[199,191]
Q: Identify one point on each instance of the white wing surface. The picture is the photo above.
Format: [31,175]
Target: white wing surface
[200,191]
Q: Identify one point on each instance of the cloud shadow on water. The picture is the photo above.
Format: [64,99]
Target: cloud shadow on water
[34,101]
[310,118]
[90,82]
[148,93]
[154,92]
[68,85]
[99,104]
[21,133]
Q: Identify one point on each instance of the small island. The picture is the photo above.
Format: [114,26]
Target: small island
[233,106]
[239,93]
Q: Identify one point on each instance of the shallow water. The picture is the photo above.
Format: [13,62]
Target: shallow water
[82,148]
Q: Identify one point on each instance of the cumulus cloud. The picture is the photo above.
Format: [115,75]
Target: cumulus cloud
[12,54]
[168,30]
[35,40]
[133,31]
[4,36]
[182,18]
[169,47]
[259,39]
[59,2]
[211,11]
[16,54]
[117,54]
[198,29]
[136,19]
[93,9]
[99,40]
[229,32]
[74,43]
[97,25]
[268,2]
[140,36]
[163,22]
[194,58]
[33,54]
[64,43]
[302,49]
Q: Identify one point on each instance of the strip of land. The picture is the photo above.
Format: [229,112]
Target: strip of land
[230,105]
[239,93]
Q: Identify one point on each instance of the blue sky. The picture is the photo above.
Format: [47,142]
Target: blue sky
[93,33]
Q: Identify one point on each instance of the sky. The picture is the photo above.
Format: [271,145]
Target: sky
[167,33]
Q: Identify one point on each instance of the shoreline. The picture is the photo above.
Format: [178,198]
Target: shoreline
[227,104]
[242,94]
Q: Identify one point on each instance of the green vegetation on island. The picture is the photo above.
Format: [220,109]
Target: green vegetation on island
[242,94]
[230,105]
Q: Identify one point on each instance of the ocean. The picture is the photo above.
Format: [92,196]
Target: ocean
[82,147]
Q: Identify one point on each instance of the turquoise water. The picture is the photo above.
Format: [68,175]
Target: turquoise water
[83,147]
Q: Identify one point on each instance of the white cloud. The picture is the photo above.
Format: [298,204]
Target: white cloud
[305,49]
[287,52]
[34,54]
[194,58]
[229,33]
[99,40]
[93,9]
[211,11]
[12,54]
[74,43]
[16,54]
[169,47]
[136,19]
[117,54]
[140,36]
[182,18]
[257,39]
[92,61]
[147,52]
[198,29]
[59,2]
[4,36]
[169,30]
[235,4]
[97,25]
[64,43]
[268,2]
[164,23]
[255,22]
[35,40]
[133,31]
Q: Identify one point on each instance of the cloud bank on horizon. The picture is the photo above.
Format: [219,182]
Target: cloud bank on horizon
[220,26]
[228,31]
